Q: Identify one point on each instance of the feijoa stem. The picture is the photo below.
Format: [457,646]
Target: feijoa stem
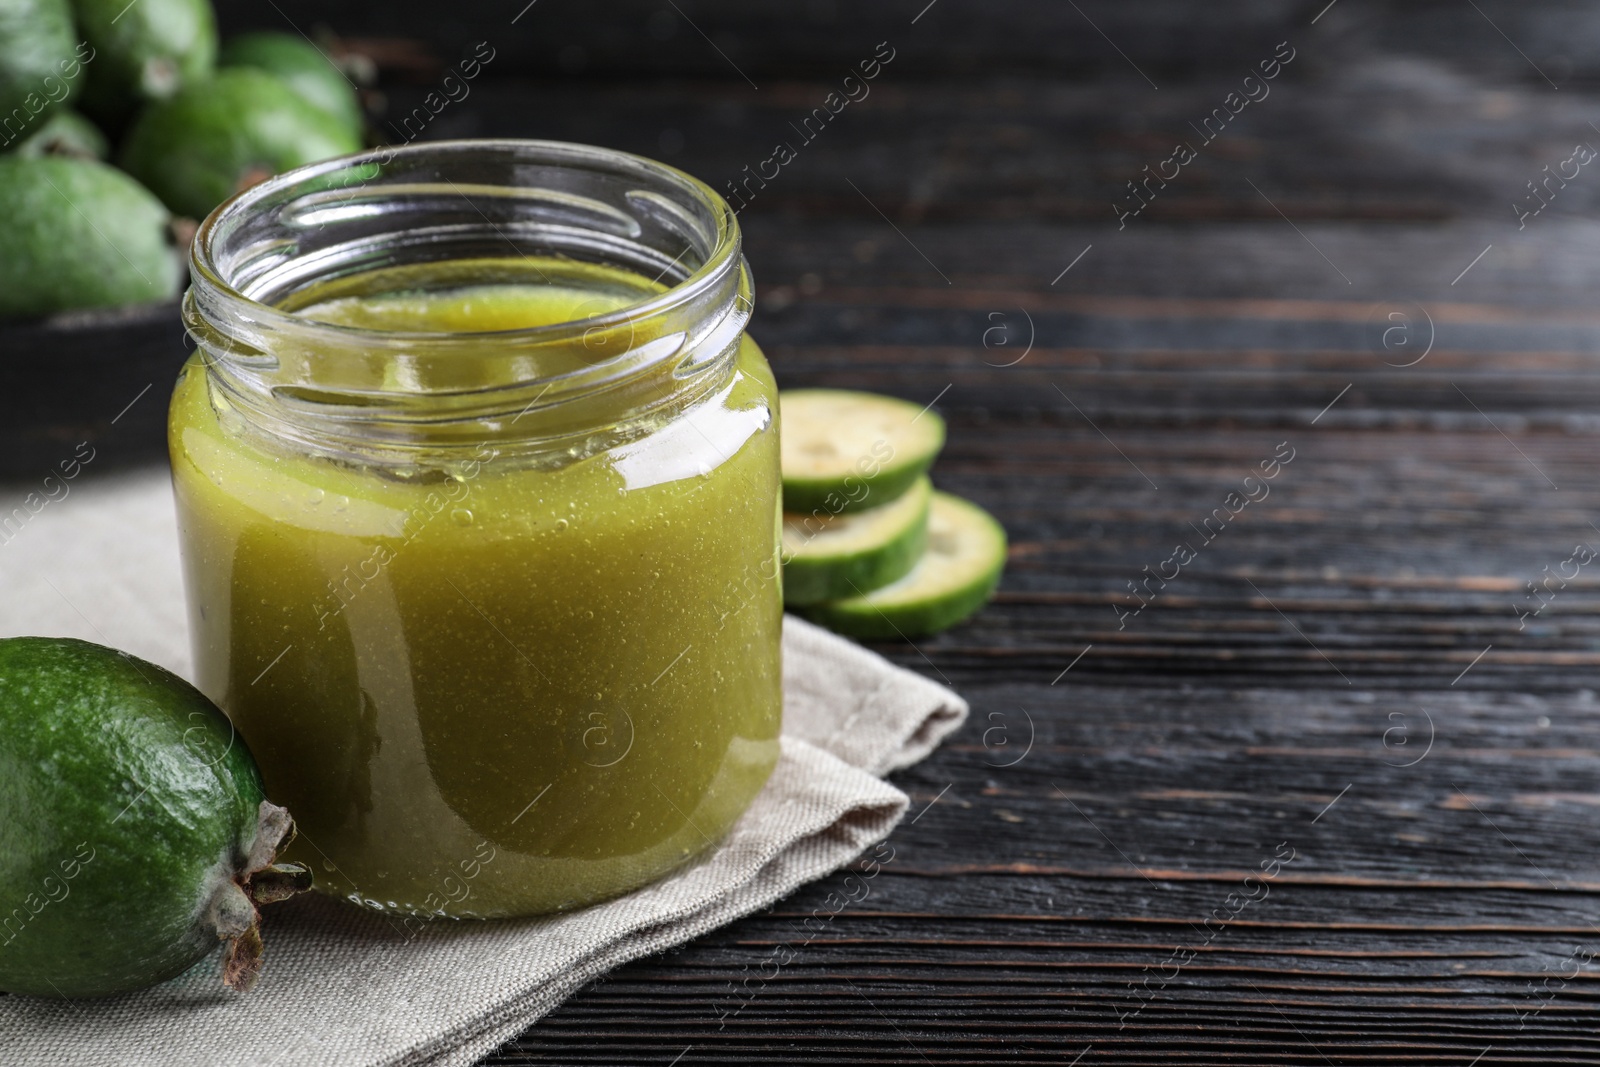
[241,960]
[280,881]
[261,880]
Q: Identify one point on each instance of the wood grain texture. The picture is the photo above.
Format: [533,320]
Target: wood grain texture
[1341,670]
[1340,674]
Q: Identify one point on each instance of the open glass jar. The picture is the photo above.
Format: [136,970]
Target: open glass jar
[477,484]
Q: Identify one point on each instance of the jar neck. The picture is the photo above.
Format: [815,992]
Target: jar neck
[454,212]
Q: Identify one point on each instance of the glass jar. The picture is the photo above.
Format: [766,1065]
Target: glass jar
[478,494]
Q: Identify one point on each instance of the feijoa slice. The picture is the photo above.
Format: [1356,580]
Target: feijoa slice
[826,557]
[134,837]
[847,451]
[954,578]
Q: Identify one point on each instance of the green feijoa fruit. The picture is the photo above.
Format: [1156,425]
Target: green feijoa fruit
[65,133]
[301,66]
[954,578]
[227,133]
[79,234]
[847,451]
[134,837]
[40,63]
[826,557]
[146,50]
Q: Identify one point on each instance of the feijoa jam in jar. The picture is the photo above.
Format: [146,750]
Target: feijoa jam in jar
[477,483]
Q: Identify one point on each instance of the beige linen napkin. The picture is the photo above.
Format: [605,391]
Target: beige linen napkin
[344,988]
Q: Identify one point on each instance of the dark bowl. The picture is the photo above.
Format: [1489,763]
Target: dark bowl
[101,377]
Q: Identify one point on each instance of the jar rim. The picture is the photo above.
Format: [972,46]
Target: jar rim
[723,255]
[355,390]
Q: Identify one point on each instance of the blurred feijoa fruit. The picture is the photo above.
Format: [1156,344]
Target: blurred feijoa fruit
[79,234]
[301,66]
[65,133]
[41,65]
[219,136]
[145,50]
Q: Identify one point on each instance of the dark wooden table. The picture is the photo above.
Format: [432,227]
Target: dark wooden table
[1337,689]
[1331,795]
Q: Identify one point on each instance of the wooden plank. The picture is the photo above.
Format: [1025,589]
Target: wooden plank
[1341,670]
[1320,676]
[721,38]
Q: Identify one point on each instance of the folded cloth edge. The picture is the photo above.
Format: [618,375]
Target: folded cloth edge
[895,717]
[882,717]
[868,820]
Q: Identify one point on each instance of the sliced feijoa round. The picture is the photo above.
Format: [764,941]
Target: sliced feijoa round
[846,451]
[826,557]
[134,838]
[955,576]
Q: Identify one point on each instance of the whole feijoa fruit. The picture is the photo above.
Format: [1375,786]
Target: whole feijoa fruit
[134,836]
[303,67]
[146,50]
[65,133]
[80,234]
[222,135]
[40,63]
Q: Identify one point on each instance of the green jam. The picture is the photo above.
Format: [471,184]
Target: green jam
[503,685]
